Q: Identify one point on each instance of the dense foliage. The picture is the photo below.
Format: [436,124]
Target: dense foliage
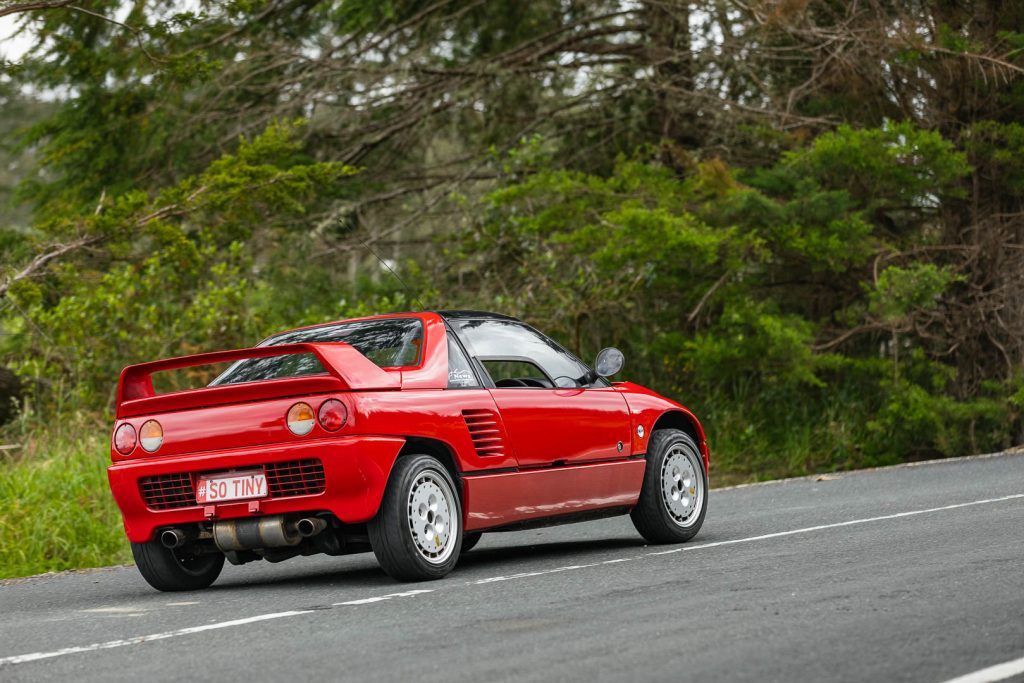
[803,219]
[53,515]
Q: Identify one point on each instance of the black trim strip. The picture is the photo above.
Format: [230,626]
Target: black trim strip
[558,520]
[496,470]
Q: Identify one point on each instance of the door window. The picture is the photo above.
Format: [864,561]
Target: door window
[503,339]
[516,374]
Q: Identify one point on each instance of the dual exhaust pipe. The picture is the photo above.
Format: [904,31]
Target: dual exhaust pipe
[249,534]
[310,526]
[173,538]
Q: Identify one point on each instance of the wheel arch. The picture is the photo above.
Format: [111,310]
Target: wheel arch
[417,445]
[421,445]
[685,422]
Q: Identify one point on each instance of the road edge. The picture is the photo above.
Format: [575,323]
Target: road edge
[839,474]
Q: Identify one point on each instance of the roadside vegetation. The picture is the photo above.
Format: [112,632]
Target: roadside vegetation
[54,514]
[805,220]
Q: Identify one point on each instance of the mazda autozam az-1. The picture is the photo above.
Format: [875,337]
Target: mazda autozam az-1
[409,435]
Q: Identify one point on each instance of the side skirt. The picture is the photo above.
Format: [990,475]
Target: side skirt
[542,522]
[503,499]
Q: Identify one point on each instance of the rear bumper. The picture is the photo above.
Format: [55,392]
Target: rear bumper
[356,470]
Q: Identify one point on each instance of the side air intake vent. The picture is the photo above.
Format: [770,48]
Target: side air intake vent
[485,432]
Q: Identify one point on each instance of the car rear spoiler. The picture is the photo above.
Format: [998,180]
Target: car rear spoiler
[347,370]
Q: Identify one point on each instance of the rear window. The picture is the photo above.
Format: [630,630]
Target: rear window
[389,343]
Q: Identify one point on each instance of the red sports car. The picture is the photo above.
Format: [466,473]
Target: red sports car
[408,435]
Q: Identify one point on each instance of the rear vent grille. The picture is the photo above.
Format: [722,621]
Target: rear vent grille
[485,432]
[295,478]
[168,491]
[284,480]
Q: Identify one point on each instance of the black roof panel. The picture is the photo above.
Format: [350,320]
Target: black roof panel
[474,315]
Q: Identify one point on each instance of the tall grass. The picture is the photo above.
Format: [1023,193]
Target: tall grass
[56,511]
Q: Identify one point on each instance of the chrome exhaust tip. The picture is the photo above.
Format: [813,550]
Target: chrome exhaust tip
[172,538]
[310,526]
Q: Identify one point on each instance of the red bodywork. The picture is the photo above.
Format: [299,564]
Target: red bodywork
[519,455]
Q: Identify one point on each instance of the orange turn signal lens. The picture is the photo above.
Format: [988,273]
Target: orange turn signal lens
[332,415]
[151,435]
[301,419]
[125,439]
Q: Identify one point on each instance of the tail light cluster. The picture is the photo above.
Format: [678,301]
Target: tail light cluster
[151,436]
[301,419]
[332,416]
[125,439]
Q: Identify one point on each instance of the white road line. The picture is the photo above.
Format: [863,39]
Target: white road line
[381,598]
[852,522]
[999,672]
[137,640]
[1010,668]
[21,659]
[541,572]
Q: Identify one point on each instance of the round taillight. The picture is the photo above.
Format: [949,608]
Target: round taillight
[125,439]
[300,419]
[151,435]
[332,415]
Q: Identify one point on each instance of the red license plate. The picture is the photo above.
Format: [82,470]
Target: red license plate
[214,488]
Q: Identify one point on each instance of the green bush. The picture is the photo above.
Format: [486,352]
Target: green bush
[56,511]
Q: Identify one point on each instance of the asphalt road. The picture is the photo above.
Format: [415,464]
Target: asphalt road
[903,574]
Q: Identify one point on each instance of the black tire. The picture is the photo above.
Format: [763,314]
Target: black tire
[172,570]
[469,540]
[391,530]
[651,516]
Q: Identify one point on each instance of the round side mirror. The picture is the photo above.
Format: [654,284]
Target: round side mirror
[609,362]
